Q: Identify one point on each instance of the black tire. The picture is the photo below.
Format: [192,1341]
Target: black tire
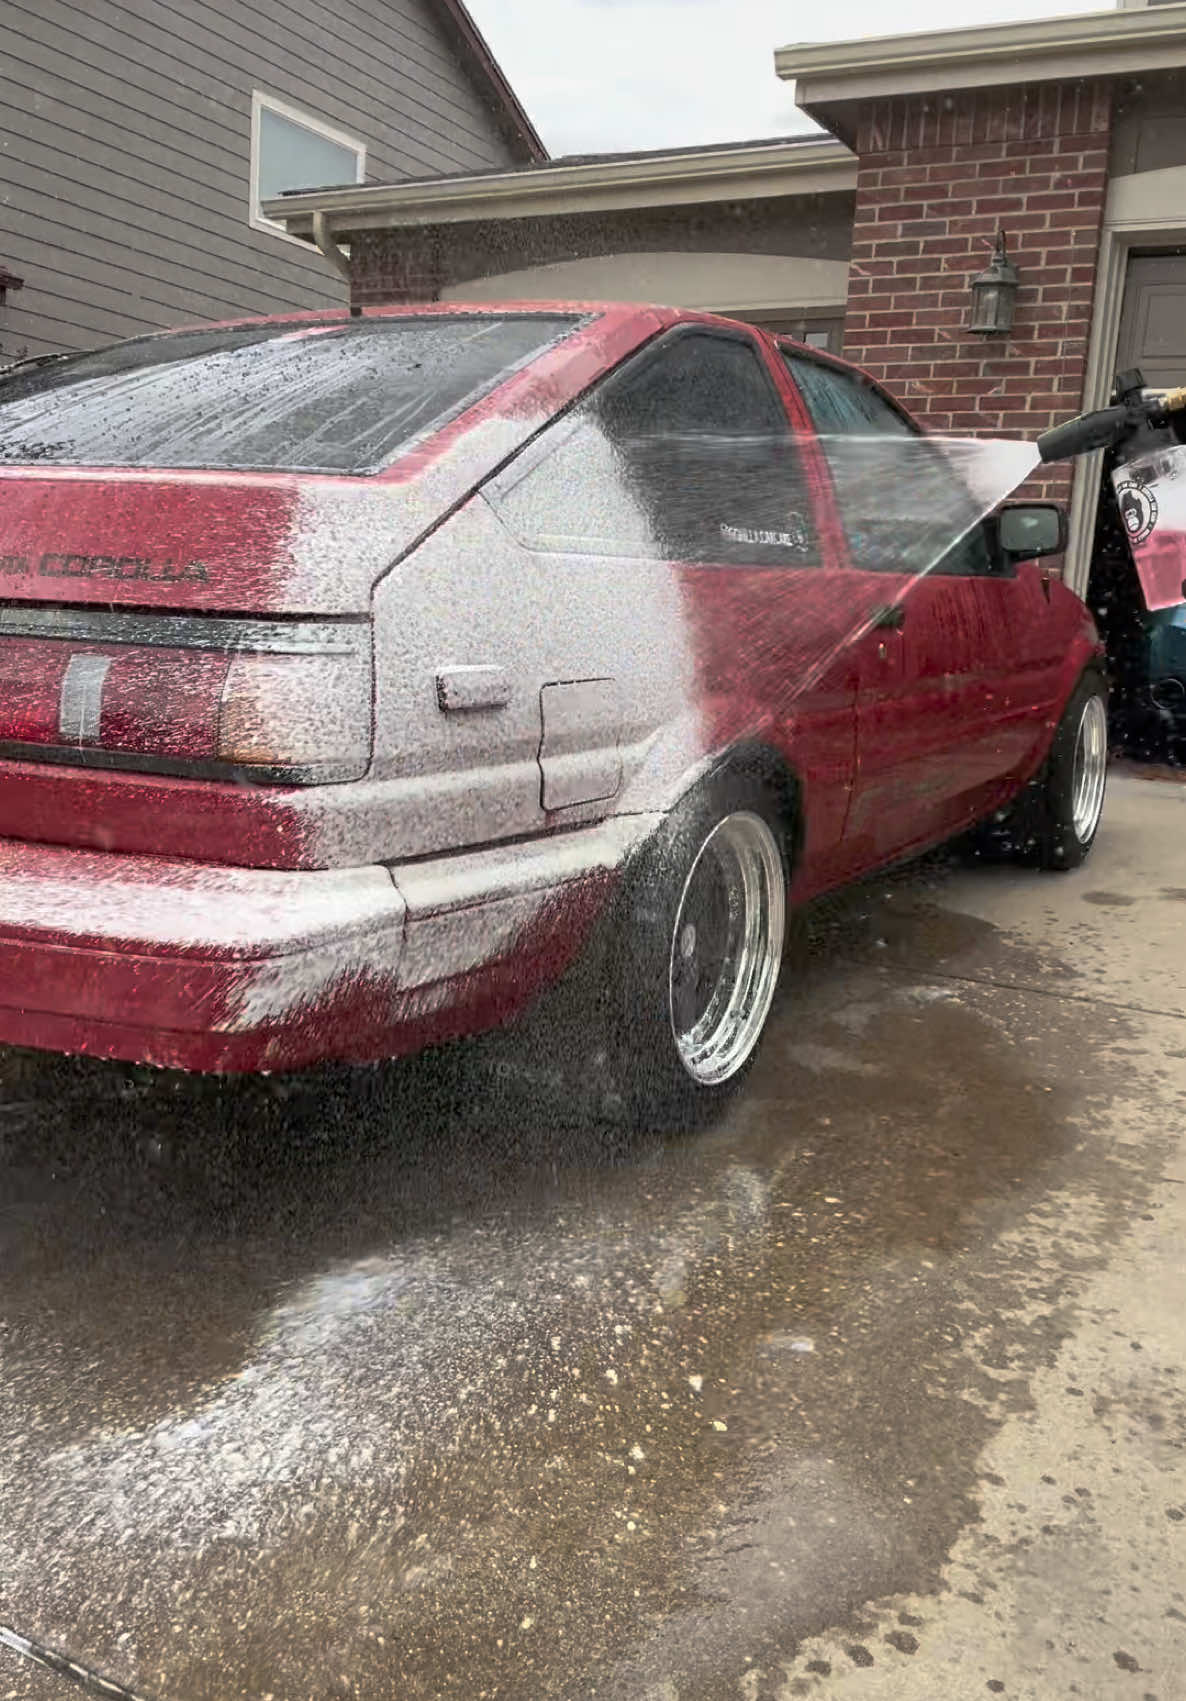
[654,982]
[1070,798]
[1044,828]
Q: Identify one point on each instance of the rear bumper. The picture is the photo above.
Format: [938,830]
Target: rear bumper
[205,967]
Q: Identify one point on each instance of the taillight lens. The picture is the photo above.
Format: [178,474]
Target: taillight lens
[309,713]
[283,702]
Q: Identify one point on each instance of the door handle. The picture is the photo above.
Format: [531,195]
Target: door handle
[890,616]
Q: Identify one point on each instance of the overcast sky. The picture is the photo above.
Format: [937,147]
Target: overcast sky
[597,75]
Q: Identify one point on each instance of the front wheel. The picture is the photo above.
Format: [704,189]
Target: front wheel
[1069,796]
[698,950]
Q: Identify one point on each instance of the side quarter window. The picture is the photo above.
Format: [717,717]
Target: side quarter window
[841,404]
[685,453]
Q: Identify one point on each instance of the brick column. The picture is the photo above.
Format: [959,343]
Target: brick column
[938,176]
[390,267]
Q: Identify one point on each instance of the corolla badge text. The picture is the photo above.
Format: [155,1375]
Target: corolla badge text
[58,566]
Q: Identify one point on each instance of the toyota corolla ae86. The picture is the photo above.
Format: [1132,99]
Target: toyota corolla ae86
[361,675]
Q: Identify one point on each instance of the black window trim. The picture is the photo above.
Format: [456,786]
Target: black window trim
[555,430]
[693,328]
[749,337]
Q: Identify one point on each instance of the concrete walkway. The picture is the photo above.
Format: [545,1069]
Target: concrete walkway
[1069,1577]
[381,1387]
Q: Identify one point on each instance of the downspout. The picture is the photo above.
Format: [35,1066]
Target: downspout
[324,238]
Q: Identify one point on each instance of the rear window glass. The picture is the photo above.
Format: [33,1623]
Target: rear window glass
[338,398]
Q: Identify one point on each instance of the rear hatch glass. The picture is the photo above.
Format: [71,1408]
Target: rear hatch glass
[315,398]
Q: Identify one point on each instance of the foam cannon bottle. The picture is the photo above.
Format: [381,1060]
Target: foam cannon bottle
[1146,432]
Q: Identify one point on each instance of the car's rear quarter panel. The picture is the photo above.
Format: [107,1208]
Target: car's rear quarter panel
[473,596]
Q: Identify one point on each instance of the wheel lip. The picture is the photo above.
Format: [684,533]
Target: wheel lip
[715,1058]
[1089,770]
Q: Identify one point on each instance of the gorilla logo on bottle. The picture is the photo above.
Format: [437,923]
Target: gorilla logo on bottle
[1138,510]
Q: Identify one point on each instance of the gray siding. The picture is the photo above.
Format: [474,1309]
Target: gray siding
[125,142]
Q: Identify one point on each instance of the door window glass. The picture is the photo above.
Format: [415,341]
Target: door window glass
[903,508]
[970,558]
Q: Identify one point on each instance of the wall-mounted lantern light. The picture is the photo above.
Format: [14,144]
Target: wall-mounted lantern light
[994,294]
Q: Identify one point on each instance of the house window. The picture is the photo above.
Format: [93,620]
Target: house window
[294,150]
[8,280]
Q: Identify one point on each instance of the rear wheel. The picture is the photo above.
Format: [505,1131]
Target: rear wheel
[697,951]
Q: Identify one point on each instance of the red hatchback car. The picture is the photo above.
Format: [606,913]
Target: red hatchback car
[361,673]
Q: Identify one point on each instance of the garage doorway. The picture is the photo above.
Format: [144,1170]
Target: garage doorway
[818,327]
[1152,336]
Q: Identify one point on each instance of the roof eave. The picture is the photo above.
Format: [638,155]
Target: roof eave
[743,173]
[517,128]
[832,75]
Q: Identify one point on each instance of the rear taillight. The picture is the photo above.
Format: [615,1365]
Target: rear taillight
[307,713]
[282,702]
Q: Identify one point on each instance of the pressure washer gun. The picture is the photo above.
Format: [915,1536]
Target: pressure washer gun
[1145,430]
[1138,421]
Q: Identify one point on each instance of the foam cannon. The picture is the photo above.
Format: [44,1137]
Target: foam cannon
[1145,433]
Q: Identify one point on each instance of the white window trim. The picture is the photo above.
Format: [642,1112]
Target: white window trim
[294,115]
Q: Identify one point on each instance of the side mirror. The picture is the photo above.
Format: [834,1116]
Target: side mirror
[1027,531]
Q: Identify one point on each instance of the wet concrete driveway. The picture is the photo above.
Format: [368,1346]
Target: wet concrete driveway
[387,1387]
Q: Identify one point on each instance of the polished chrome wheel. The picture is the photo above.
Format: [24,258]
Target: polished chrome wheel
[1090,770]
[726,948]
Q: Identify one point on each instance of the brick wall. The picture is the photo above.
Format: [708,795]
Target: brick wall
[385,269]
[938,176]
